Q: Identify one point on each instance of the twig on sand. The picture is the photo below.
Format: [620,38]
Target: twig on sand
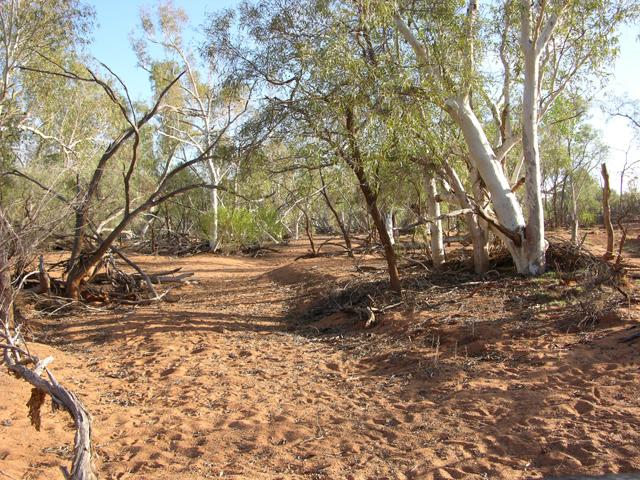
[7,475]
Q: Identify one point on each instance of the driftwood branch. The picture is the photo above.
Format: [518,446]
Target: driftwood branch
[81,467]
[152,291]
[23,364]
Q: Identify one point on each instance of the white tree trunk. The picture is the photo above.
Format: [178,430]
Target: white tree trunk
[388,223]
[504,201]
[213,228]
[435,228]
[214,179]
[535,242]
[478,234]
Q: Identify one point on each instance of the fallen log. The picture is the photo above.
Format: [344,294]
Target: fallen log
[171,279]
[159,278]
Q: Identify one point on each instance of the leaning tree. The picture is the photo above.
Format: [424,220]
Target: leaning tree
[544,48]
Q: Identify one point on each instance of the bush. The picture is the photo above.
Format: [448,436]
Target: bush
[241,227]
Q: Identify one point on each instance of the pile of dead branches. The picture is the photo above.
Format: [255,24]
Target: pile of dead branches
[114,284]
[587,281]
[169,243]
[575,263]
[110,284]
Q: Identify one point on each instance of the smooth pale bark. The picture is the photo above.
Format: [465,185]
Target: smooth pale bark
[214,176]
[435,227]
[535,242]
[478,234]
[526,245]
[213,228]
[504,201]
[574,214]
[606,211]
[388,225]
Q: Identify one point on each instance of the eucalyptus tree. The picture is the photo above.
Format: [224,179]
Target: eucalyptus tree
[124,150]
[342,225]
[572,148]
[33,34]
[204,108]
[62,136]
[332,77]
[575,149]
[461,186]
[545,48]
[318,66]
[325,170]
[30,31]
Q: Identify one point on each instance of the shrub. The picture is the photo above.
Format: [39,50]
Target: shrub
[241,227]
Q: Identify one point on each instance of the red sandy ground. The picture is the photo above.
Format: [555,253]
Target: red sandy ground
[471,384]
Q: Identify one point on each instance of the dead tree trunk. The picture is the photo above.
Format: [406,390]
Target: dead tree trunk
[574,214]
[606,211]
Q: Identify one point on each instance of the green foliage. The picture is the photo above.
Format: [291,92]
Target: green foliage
[243,227]
[335,89]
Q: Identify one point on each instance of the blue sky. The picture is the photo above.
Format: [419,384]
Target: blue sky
[118,18]
[616,131]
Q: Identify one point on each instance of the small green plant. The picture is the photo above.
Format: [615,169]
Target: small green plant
[241,227]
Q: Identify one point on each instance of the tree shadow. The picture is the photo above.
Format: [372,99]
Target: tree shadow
[488,362]
[504,360]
